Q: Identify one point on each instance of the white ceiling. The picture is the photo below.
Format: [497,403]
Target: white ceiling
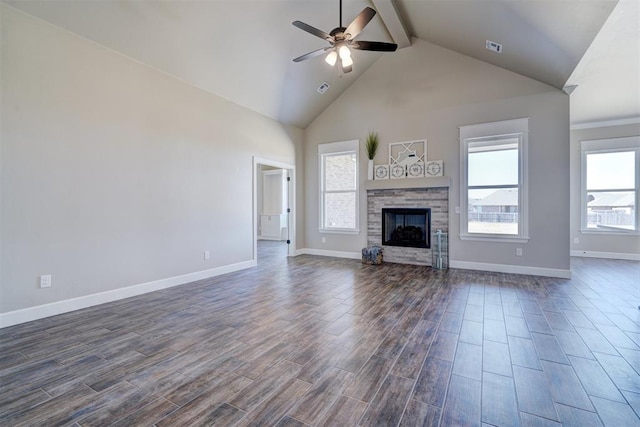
[242,50]
[542,39]
[608,76]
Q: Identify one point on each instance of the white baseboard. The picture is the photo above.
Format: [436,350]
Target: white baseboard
[607,255]
[46,310]
[498,268]
[324,252]
[512,269]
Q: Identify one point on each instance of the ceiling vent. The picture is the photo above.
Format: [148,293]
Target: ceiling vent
[493,46]
[323,87]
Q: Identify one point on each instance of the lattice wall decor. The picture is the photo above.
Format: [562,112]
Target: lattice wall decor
[408,152]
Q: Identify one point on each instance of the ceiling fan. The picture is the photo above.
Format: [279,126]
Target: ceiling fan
[341,39]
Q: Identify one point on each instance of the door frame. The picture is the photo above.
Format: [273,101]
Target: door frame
[291,201]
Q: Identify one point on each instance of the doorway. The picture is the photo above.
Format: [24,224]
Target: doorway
[273,209]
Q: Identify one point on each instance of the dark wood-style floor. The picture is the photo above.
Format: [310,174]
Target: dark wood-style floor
[322,341]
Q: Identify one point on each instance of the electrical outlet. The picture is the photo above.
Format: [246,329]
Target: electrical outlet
[324,240]
[518,251]
[206,255]
[576,240]
[457,209]
[45,281]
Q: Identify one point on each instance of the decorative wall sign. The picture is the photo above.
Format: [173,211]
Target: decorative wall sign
[398,171]
[382,172]
[415,170]
[408,153]
[434,168]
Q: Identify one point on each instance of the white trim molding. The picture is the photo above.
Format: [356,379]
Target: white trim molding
[512,269]
[326,151]
[609,146]
[291,200]
[606,255]
[493,238]
[488,137]
[59,307]
[334,254]
[606,123]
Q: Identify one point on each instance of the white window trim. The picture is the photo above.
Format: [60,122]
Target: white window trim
[610,145]
[338,148]
[517,128]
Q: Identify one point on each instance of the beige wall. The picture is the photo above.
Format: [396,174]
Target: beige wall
[613,244]
[426,91]
[115,174]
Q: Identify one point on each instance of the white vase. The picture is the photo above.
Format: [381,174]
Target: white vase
[370,170]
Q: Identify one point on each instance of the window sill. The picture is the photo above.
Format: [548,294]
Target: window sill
[610,232]
[334,231]
[494,238]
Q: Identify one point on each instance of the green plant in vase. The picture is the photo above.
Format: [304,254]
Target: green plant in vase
[371,144]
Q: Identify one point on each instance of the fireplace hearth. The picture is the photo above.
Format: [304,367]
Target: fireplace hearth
[407,227]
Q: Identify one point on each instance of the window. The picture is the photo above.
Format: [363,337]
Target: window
[339,187]
[610,185]
[494,192]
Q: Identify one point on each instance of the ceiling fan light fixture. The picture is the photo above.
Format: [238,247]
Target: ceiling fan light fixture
[344,52]
[331,58]
[341,38]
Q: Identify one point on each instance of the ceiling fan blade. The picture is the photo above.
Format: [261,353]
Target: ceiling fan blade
[313,30]
[359,23]
[375,46]
[312,54]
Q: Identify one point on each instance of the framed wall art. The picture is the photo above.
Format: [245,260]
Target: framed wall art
[408,152]
[415,170]
[381,172]
[397,171]
[434,168]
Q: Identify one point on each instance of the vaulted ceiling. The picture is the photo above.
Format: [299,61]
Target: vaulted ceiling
[242,50]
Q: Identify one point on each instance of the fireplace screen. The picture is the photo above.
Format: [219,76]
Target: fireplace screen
[406,227]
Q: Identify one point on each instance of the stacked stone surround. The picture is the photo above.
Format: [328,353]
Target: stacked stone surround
[435,198]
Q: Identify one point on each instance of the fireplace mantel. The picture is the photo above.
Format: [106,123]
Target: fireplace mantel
[431,182]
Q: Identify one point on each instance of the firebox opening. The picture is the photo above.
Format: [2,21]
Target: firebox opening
[406,227]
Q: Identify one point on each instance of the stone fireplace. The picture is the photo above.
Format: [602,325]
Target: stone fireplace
[409,228]
[433,199]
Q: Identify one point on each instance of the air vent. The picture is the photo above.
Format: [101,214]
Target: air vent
[323,87]
[493,46]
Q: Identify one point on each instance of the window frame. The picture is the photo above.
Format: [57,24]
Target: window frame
[498,133]
[333,149]
[604,146]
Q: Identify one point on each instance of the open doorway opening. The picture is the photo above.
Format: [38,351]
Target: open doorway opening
[273,197]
